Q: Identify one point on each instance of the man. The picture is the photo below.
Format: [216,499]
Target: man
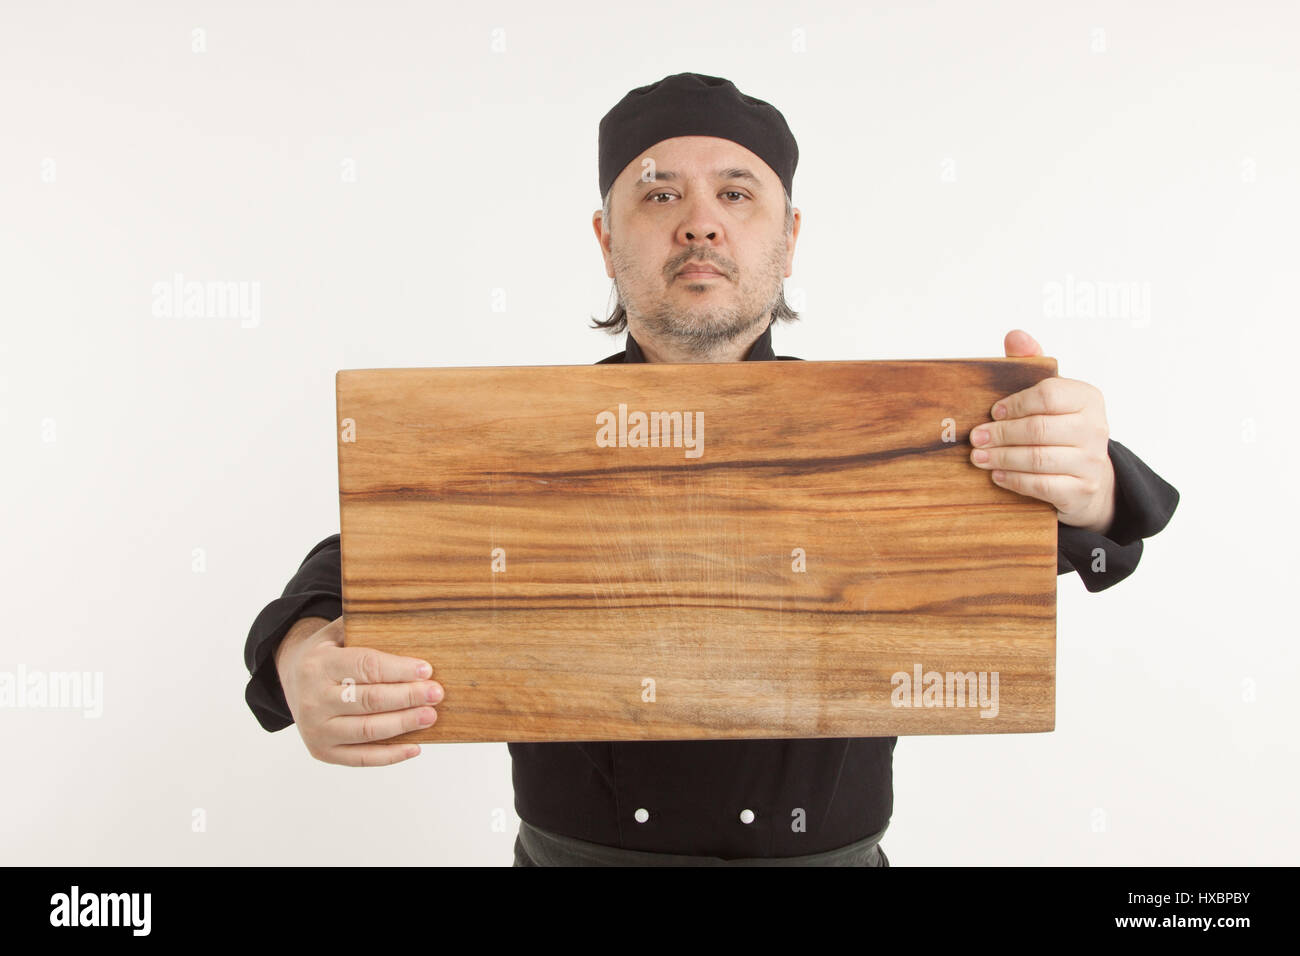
[697,231]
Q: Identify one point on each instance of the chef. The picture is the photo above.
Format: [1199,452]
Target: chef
[697,232]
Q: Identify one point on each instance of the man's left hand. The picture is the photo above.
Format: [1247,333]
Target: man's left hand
[1052,443]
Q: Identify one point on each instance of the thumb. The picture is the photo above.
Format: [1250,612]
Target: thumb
[1020,343]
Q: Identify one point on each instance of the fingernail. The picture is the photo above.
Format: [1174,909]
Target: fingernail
[999,411]
[424,670]
[428,716]
[981,456]
[434,693]
[979,436]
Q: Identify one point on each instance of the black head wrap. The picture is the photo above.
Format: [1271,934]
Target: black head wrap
[690,104]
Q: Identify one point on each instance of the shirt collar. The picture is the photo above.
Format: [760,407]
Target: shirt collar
[760,351]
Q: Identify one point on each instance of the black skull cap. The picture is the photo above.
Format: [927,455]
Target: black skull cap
[691,104]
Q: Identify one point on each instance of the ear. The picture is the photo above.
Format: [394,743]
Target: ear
[790,241]
[602,237]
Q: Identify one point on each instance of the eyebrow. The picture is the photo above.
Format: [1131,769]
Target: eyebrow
[733,173]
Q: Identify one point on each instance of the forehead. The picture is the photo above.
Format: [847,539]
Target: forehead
[691,156]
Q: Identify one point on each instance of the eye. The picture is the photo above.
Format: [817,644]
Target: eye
[729,192]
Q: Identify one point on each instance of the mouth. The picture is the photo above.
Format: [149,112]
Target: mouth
[700,272]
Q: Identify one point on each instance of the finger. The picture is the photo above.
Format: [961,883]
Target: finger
[365,665]
[1034,430]
[1040,459]
[371,755]
[1019,344]
[1051,396]
[1056,490]
[368,728]
[354,698]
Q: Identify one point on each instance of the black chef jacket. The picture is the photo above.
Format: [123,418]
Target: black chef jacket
[803,795]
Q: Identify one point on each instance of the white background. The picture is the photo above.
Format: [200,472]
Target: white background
[1164,150]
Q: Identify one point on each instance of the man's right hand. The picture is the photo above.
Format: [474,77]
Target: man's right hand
[344,699]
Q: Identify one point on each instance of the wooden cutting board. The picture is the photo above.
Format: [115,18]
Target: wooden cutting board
[652,551]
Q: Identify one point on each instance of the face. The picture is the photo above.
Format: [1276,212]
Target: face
[697,202]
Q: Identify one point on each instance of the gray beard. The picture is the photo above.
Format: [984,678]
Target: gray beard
[704,334]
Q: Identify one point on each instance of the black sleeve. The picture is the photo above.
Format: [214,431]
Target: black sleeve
[315,591]
[1144,503]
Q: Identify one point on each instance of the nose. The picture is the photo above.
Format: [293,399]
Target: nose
[699,221]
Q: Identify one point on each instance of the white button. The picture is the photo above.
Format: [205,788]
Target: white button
[746,816]
[643,815]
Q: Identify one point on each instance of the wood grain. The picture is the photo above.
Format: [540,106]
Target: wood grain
[625,573]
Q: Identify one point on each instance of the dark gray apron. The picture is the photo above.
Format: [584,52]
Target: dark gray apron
[537,847]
